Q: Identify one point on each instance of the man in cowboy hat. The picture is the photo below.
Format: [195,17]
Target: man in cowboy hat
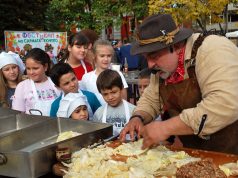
[195,81]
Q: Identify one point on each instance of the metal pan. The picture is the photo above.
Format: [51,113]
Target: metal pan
[4,112]
[30,152]
[11,122]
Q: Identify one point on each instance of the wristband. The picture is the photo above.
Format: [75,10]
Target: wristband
[139,116]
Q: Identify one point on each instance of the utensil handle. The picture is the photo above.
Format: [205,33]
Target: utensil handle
[114,137]
[3,159]
[35,110]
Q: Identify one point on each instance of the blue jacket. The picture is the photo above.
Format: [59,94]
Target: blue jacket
[132,60]
[91,97]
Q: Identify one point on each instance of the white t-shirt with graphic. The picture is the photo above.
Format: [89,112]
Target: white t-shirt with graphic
[115,115]
[24,100]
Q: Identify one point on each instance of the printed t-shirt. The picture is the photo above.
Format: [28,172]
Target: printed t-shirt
[115,115]
[24,100]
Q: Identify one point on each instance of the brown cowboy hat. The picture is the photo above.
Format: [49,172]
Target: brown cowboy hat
[158,32]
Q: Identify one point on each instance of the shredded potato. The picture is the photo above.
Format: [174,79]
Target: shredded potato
[230,169]
[98,162]
[66,135]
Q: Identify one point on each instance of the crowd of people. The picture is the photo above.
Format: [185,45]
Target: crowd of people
[188,96]
[75,86]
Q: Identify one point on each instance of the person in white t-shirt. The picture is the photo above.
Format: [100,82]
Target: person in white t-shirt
[36,94]
[116,111]
[103,55]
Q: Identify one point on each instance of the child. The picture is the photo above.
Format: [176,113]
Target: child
[143,80]
[76,53]
[92,36]
[103,55]
[38,92]
[116,111]
[11,68]
[49,50]
[73,105]
[64,78]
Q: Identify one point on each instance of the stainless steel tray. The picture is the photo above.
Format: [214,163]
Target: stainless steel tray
[30,151]
[4,112]
[11,122]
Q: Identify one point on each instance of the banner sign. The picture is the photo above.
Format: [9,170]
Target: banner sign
[23,41]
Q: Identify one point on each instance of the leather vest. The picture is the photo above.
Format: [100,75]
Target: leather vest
[186,94]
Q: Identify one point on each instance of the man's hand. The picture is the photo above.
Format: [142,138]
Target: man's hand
[133,126]
[153,134]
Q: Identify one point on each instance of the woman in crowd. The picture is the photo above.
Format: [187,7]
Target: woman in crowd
[76,53]
[36,94]
[103,55]
[11,68]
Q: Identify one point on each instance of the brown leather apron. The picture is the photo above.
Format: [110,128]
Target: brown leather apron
[186,94]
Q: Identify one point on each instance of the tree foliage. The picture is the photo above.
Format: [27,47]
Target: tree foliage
[22,15]
[94,14]
[190,10]
[66,14]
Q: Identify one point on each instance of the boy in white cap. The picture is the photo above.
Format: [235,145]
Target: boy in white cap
[11,68]
[73,105]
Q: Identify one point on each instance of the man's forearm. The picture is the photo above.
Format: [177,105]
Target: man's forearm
[175,126]
[147,117]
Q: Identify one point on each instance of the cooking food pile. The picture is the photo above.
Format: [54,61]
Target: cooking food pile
[128,160]
[66,135]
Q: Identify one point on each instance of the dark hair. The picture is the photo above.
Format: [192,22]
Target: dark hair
[40,56]
[58,70]
[145,73]
[76,39]
[90,34]
[108,79]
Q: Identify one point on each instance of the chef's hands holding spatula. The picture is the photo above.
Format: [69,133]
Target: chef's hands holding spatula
[151,133]
[155,132]
[133,128]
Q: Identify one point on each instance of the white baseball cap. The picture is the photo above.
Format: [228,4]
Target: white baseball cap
[69,103]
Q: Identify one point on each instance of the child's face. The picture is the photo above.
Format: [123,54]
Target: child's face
[103,56]
[80,113]
[10,72]
[78,51]
[112,96]
[35,70]
[69,83]
[142,84]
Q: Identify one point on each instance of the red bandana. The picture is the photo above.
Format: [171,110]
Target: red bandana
[178,75]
